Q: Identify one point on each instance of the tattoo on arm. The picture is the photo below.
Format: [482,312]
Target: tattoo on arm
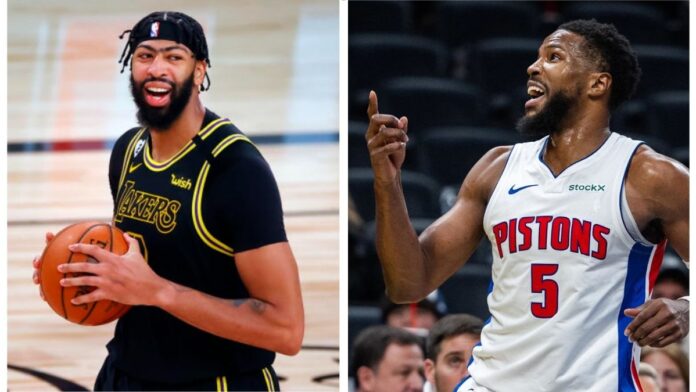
[255,305]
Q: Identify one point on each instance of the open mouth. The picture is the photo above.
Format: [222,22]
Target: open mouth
[537,94]
[157,95]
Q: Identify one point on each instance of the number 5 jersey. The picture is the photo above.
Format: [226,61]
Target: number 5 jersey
[568,259]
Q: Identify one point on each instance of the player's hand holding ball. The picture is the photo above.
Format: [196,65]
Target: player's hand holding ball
[91,272]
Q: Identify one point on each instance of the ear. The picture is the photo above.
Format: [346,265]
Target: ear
[429,367]
[199,71]
[366,378]
[600,84]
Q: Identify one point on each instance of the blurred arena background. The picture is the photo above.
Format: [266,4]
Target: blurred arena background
[274,74]
[458,71]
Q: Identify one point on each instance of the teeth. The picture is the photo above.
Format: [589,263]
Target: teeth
[534,91]
[157,90]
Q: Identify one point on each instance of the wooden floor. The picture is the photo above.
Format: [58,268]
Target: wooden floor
[275,72]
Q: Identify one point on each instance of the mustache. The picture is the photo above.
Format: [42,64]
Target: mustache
[153,79]
[537,80]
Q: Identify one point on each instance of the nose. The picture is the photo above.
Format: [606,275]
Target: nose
[535,68]
[156,68]
[415,382]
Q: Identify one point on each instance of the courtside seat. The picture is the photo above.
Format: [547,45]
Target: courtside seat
[373,59]
[665,68]
[447,154]
[640,23]
[463,23]
[420,191]
[359,318]
[669,117]
[499,68]
[466,290]
[431,102]
[358,156]
[378,17]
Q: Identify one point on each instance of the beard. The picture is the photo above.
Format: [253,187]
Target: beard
[161,118]
[549,119]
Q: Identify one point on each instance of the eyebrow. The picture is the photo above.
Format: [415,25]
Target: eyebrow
[166,49]
[558,46]
[551,46]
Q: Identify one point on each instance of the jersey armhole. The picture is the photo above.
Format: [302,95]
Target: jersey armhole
[625,215]
[496,191]
[197,203]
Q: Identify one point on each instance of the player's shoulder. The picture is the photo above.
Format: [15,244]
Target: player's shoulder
[127,136]
[235,154]
[492,162]
[484,175]
[233,145]
[654,171]
[122,142]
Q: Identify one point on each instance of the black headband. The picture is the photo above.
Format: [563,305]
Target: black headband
[173,26]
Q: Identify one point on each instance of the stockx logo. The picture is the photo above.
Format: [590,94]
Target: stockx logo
[587,187]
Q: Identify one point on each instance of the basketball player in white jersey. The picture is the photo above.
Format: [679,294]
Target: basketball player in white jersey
[577,220]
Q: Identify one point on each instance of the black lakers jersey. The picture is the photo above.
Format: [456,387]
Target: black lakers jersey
[217,196]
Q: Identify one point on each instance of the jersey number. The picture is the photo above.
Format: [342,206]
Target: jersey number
[548,287]
[141,242]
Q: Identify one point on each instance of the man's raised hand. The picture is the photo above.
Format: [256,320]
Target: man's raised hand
[386,141]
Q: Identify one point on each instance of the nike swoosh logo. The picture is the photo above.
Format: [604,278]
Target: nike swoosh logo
[133,168]
[512,189]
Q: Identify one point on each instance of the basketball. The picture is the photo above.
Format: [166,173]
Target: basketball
[57,252]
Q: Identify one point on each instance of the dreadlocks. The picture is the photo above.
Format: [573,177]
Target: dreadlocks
[175,26]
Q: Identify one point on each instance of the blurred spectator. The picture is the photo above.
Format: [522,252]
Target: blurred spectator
[672,283]
[387,359]
[672,367]
[649,380]
[418,317]
[448,351]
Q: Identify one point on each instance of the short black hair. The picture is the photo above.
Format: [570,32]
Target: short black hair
[675,275]
[451,326]
[430,304]
[612,53]
[372,342]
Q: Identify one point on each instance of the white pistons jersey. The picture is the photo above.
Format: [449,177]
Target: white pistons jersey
[568,258]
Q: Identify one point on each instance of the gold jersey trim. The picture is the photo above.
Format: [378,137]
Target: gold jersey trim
[129,156]
[208,130]
[197,210]
[269,380]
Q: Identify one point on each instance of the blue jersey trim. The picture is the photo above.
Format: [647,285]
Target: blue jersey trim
[634,296]
[543,148]
[488,320]
[460,383]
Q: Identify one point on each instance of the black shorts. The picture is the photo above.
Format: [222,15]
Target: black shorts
[111,378]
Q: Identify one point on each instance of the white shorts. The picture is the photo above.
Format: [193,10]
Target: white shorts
[469,385]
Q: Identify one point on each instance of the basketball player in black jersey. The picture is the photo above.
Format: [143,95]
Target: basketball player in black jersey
[209,271]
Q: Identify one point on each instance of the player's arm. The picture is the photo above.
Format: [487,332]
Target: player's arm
[414,267]
[658,191]
[271,318]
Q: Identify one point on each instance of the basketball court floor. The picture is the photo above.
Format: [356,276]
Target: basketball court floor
[274,74]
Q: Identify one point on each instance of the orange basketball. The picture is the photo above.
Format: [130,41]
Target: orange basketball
[57,252]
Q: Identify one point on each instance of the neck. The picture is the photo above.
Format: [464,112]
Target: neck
[585,134]
[167,142]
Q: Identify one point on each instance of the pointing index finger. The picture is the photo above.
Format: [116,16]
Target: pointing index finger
[372,107]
